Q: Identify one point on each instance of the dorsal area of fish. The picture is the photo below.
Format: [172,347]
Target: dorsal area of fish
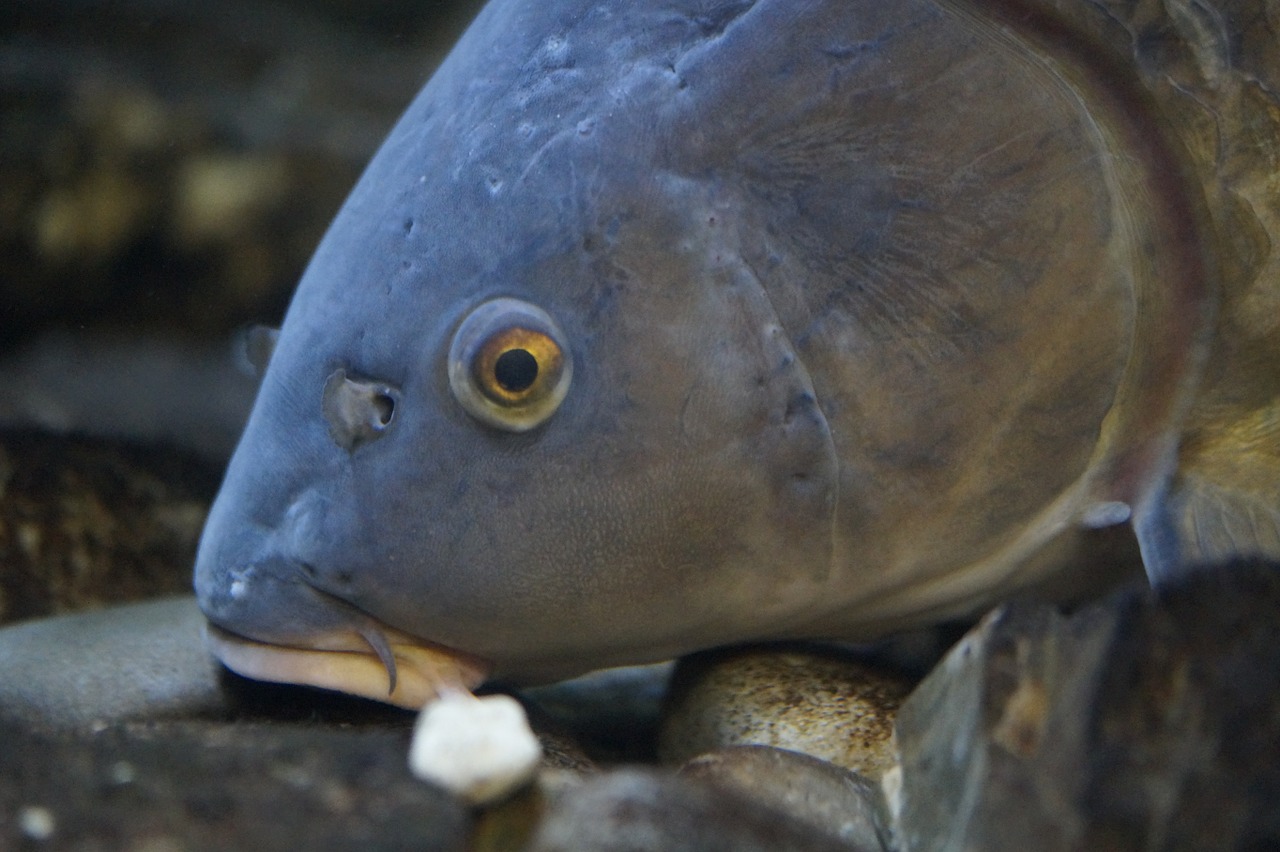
[855,309]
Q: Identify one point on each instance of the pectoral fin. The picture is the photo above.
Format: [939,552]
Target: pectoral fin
[1224,500]
[254,346]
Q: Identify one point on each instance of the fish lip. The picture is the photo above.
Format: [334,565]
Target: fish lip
[319,638]
[347,660]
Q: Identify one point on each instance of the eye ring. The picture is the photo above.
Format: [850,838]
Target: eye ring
[509,365]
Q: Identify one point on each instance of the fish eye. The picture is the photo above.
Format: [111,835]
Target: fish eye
[509,365]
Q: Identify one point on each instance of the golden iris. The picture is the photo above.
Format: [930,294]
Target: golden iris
[516,365]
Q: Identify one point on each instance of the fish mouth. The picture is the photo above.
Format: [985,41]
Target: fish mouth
[373,661]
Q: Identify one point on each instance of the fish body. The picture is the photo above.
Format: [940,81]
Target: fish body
[660,326]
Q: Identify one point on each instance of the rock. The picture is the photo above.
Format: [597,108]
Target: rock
[831,800]
[200,786]
[613,713]
[137,661]
[85,523]
[818,701]
[640,810]
[147,661]
[561,753]
[69,685]
[1147,721]
[145,393]
[479,749]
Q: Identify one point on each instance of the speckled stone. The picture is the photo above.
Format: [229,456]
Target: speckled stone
[817,701]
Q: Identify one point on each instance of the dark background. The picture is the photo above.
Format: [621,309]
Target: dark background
[166,169]
[168,166]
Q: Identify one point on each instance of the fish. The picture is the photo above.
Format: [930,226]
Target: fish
[660,326]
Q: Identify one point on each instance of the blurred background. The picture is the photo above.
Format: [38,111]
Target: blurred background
[166,169]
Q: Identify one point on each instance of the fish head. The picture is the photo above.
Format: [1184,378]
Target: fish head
[526,382]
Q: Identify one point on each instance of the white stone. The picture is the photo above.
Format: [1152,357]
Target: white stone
[480,749]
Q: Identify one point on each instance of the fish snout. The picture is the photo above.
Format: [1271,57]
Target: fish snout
[267,622]
[267,598]
[249,578]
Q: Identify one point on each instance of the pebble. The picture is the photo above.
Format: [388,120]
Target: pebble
[822,795]
[822,702]
[480,749]
[644,810]
[142,660]
[614,712]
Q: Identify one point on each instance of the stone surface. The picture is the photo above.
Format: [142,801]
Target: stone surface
[819,701]
[511,823]
[641,810]
[195,786]
[822,795]
[220,761]
[142,660]
[613,713]
[1137,723]
[85,523]
[1142,722]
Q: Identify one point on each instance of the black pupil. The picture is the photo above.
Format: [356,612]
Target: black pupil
[516,370]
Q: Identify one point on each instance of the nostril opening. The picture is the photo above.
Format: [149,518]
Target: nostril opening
[357,411]
[384,408]
[330,580]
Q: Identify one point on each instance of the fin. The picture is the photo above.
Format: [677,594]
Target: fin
[254,346]
[1158,541]
[1223,502]
[1216,522]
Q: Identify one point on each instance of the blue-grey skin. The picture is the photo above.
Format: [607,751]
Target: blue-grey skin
[866,320]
